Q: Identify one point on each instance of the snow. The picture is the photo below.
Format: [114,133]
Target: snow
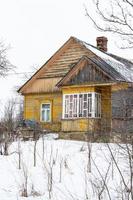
[75,182]
[118,66]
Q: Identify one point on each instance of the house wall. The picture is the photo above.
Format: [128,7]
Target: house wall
[106,110]
[77,89]
[119,86]
[47,85]
[122,111]
[81,125]
[90,124]
[32,106]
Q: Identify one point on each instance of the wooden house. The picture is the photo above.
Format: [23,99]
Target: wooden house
[72,91]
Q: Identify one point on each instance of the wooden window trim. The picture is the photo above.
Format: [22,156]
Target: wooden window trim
[94,103]
[42,110]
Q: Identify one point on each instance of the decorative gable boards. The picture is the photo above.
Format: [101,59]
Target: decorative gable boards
[45,79]
[85,72]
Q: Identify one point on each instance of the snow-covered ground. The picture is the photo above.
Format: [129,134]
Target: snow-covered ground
[64,172]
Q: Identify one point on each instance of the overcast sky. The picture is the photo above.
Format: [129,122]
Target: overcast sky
[35,29]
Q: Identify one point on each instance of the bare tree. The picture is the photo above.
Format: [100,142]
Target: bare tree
[8,122]
[51,164]
[43,151]
[24,188]
[37,132]
[20,108]
[127,153]
[9,114]
[19,154]
[5,65]
[3,130]
[115,16]
[60,168]
[35,144]
[48,167]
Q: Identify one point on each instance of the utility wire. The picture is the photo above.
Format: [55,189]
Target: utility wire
[17,73]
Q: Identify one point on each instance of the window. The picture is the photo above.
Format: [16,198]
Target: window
[82,105]
[45,112]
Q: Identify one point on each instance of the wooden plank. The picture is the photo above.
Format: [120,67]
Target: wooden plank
[43,85]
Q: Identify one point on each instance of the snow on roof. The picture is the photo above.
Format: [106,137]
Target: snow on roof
[115,64]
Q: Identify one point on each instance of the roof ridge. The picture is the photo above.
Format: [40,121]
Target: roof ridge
[107,53]
[125,59]
[119,66]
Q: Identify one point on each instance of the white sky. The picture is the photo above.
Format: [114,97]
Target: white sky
[35,29]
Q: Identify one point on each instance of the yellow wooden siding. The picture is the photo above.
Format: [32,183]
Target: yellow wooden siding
[43,85]
[106,111]
[77,89]
[81,125]
[120,86]
[33,105]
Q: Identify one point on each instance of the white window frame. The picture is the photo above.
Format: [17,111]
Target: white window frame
[94,111]
[41,109]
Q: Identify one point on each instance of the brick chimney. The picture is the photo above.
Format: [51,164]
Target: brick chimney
[102,43]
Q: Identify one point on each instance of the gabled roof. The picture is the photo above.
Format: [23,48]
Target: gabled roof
[108,69]
[126,62]
[112,77]
[117,63]
[70,54]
